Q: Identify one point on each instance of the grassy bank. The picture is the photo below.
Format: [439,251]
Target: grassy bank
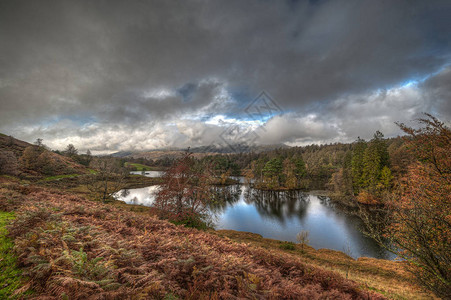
[141,167]
[384,276]
[10,275]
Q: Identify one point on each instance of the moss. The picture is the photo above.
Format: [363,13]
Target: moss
[10,276]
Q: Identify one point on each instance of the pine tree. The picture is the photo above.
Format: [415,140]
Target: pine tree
[375,159]
[272,172]
[357,164]
[300,170]
[371,168]
[385,179]
[70,150]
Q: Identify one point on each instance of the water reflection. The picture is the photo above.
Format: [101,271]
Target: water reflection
[277,205]
[148,173]
[142,196]
[280,215]
[223,197]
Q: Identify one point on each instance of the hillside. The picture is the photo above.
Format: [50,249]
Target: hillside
[68,245]
[31,161]
[161,154]
[197,152]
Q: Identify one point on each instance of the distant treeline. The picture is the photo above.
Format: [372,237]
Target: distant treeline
[362,170]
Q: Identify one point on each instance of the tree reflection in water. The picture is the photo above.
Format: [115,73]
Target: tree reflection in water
[278,205]
[124,193]
[224,196]
[269,204]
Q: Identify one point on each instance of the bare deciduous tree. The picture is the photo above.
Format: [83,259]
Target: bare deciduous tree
[109,178]
[185,192]
[302,238]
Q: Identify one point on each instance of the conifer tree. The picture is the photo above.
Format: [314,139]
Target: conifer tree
[272,172]
[300,170]
[357,164]
[375,158]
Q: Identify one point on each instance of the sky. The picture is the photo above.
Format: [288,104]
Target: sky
[138,75]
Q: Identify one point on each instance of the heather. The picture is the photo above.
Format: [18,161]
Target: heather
[69,246]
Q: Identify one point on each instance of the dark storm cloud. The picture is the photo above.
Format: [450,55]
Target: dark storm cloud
[127,66]
[437,91]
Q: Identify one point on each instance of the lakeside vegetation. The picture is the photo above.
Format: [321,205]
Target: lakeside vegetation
[400,187]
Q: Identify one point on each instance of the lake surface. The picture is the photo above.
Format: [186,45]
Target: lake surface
[280,216]
[148,173]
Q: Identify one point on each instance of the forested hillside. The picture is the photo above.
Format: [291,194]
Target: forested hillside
[363,170]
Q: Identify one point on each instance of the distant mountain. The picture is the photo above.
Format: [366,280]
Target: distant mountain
[158,154]
[122,154]
[236,148]
[197,151]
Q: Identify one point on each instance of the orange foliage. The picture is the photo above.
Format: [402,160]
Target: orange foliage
[365,197]
[420,215]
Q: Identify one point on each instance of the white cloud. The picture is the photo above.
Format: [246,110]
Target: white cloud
[340,120]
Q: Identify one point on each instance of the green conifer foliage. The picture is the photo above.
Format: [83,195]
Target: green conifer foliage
[357,164]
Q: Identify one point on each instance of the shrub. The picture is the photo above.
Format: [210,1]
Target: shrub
[9,199]
[191,220]
[287,246]
[8,163]
[302,238]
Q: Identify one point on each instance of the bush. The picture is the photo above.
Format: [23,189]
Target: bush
[287,246]
[9,199]
[30,220]
[191,220]
[8,163]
